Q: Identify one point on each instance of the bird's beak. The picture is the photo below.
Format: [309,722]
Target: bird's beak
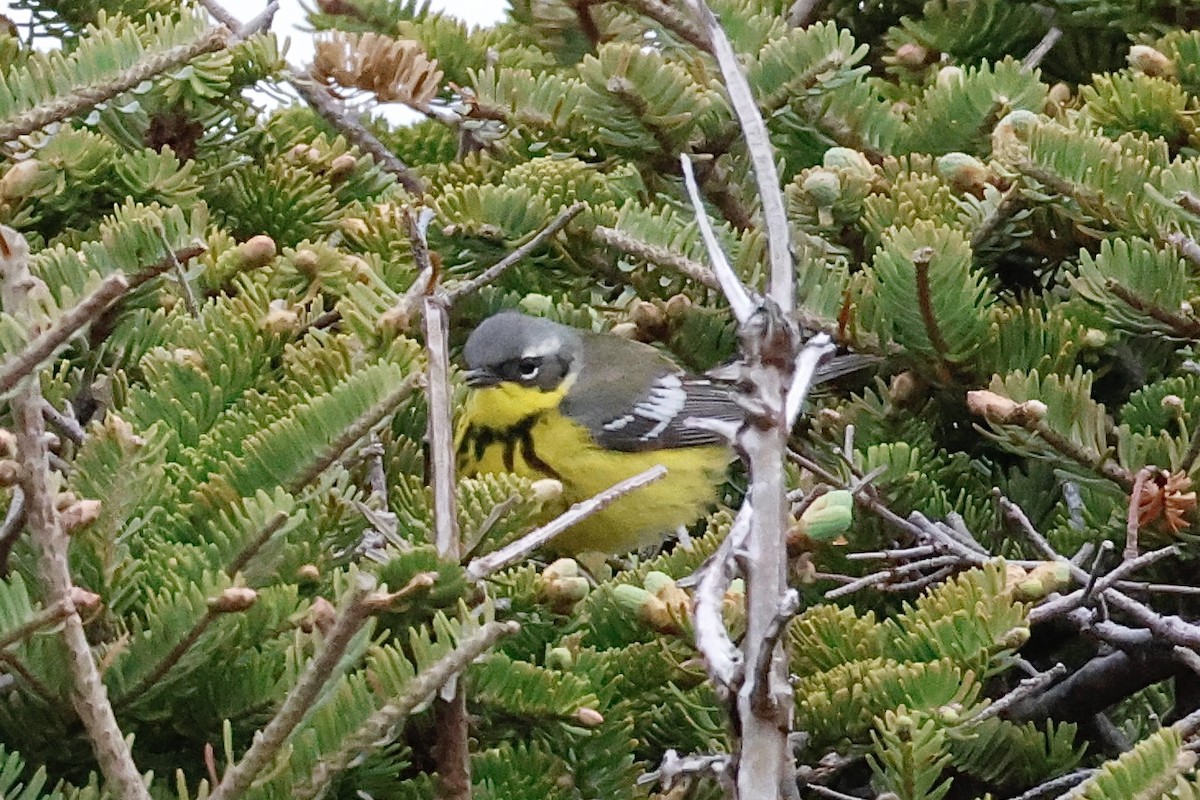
[479,378]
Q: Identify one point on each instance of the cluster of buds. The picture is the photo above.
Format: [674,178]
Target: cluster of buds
[826,518]
[75,514]
[563,584]
[337,170]
[1038,583]
[659,603]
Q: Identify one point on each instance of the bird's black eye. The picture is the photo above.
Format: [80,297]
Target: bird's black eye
[529,368]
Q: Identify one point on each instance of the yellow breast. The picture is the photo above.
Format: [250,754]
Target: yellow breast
[542,443]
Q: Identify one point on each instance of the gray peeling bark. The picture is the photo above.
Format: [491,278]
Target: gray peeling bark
[88,694]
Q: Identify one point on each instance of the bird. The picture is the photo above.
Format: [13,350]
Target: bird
[589,410]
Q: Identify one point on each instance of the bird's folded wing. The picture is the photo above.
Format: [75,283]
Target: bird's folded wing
[657,418]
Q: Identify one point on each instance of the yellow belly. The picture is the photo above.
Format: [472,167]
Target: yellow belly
[548,445]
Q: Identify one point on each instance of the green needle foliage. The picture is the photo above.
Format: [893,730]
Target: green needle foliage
[1016,245]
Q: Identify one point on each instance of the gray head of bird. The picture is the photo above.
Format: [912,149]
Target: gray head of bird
[513,347]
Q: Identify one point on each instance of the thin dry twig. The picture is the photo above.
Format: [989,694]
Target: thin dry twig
[1133,518]
[317,673]
[1027,688]
[385,723]
[452,750]
[11,528]
[722,659]
[740,299]
[339,117]
[89,696]
[1035,56]
[512,553]
[762,156]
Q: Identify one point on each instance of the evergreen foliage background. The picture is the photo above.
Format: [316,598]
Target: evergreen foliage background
[1017,243]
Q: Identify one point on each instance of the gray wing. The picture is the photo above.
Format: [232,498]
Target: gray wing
[645,408]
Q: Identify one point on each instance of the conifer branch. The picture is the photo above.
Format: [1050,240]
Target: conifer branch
[654,254]
[341,118]
[43,346]
[180,256]
[512,553]
[264,534]
[86,97]
[167,662]
[920,260]
[361,427]
[49,616]
[317,673]
[89,696]
[460,290]
[35,684]
[1009,205]
[1185,327]
[384,724]
[669,17]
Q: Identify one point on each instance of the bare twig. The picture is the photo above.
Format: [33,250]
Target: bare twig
[376,475]
[815,351]
[458,291]
[740,300]
[1135,512]
[68,425]
[1057,785]
[676,771]
[452,750]
[89,696]
[1186,245]
[510,554]
[1029,687]
[721,657]
[317,673]
[385,723]
[13,525]
[44,344]
[85,97]
[804,12]
[762,156]
[1031,61]
[1168,628]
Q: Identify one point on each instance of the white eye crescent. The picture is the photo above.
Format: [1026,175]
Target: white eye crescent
[529,368]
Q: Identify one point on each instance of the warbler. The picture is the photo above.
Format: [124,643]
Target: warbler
[589,410]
